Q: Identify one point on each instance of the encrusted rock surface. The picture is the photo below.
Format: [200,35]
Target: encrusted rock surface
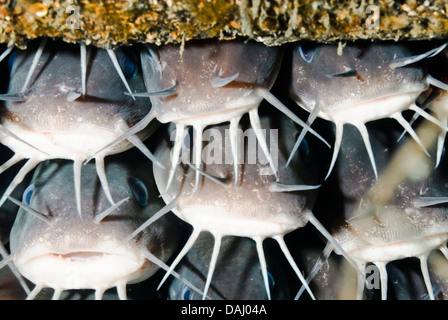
[111,23]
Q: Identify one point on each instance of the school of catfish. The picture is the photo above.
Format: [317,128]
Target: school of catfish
[191,171]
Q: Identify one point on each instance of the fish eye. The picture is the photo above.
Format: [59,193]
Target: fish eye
[128,65]
[271,280]
[186,293]
[304,148]
[139,191]
[11,59]
[27,194]
[306,51]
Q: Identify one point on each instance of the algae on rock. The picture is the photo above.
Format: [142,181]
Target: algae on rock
[110,23]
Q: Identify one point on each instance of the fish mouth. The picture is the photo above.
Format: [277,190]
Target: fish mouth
[81,255]
[373,109]
[207,113]
[228,223]
[67,144]
[83,269]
